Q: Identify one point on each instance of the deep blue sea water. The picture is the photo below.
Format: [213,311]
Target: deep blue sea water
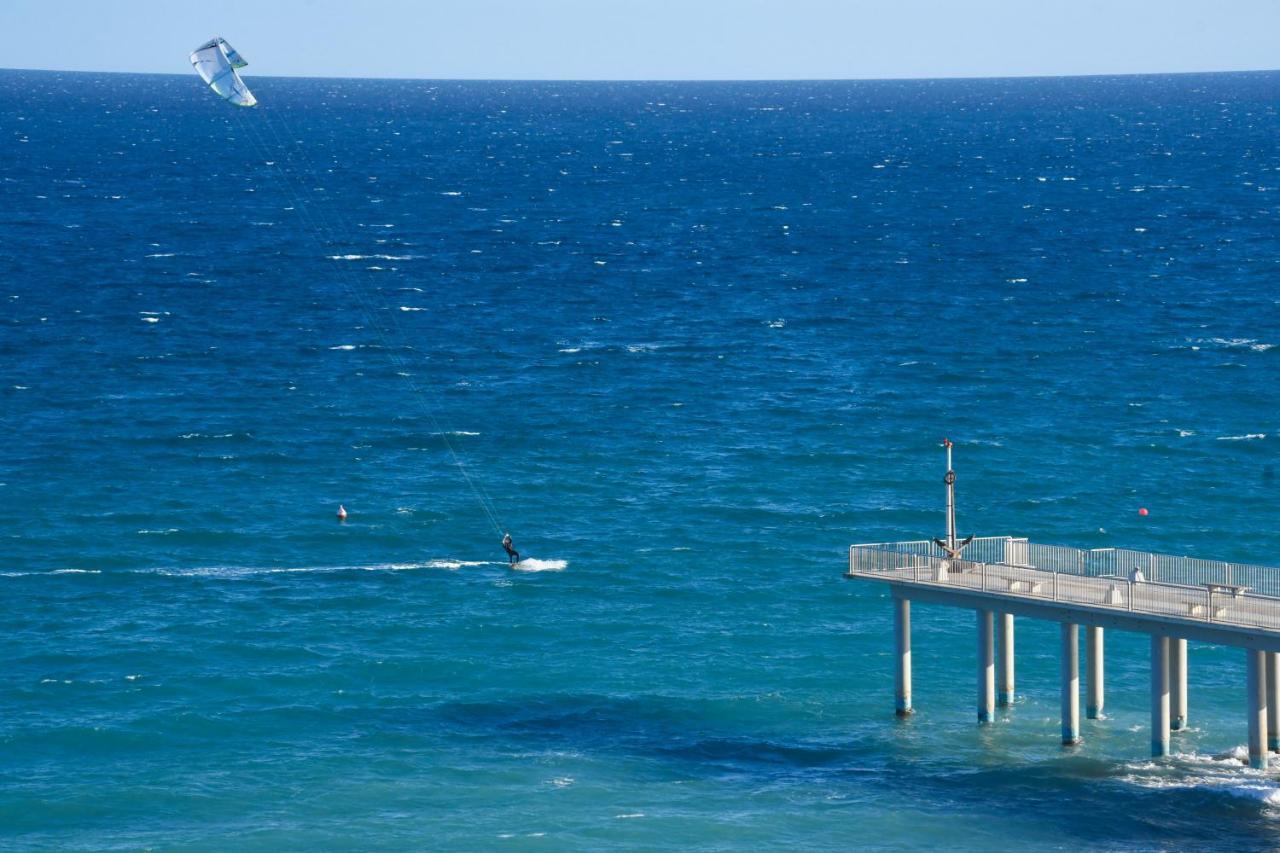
[690,339]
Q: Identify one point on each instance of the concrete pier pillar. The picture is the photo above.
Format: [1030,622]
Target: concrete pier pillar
[1177,684]
[1273,701]
[1004,694]
[986,667]
[1095,659]
[1159,695]
[1070,683]
[902,656]
[1256,663]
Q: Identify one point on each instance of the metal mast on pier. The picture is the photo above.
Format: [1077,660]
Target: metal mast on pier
[952,547]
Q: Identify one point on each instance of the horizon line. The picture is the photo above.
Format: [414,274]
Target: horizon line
[670,79]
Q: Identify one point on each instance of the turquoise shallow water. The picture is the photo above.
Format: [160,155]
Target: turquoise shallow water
[692,340]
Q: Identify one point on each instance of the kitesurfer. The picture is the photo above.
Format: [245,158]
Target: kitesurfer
[512,554]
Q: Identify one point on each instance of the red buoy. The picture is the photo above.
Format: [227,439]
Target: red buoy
[342,512]
[1142,510]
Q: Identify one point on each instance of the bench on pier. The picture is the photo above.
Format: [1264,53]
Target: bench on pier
[1232,590]
[1027,586]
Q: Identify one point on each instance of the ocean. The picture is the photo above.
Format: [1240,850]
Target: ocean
[685,341]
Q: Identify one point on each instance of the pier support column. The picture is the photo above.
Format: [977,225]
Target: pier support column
[1004,695]
[1257,668]
[1177,684]
[1095,659]
[902,656]
[1273,701]
[1159,696]
[1070,683]
[986,667]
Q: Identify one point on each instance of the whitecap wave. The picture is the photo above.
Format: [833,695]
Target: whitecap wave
[1238,343]
[1252,436]
[371,257]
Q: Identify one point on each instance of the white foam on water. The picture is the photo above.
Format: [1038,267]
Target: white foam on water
[529,564]
[411,308]
[344,347]
[1253,436]
[1237,343]
[1224,772]
[232,572]
[371,257]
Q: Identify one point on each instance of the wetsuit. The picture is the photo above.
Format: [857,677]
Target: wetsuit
[512,554]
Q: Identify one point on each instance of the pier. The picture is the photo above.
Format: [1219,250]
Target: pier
[1171,599]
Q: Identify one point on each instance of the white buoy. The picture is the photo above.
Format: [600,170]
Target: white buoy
[342,513]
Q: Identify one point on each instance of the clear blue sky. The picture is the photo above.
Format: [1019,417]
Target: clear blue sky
[650,39]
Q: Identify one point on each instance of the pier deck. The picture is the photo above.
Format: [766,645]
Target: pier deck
[1173,599]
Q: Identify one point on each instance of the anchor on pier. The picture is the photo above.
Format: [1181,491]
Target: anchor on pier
[1172,599]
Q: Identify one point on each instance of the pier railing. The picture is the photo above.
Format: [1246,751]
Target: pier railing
[1164,585]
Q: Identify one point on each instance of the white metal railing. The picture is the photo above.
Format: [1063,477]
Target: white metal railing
[1185,587]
